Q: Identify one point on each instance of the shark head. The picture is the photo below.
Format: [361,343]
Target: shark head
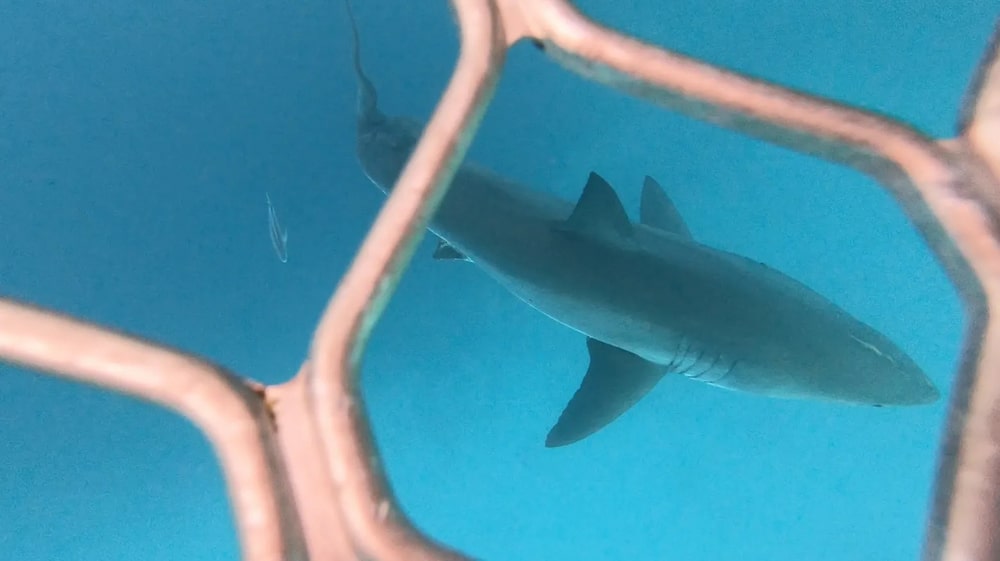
[883,374]
[841,356]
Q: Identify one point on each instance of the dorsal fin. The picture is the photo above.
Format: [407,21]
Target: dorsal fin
[656,210]
[599,212]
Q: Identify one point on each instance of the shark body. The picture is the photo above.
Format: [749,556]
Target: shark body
[649,298]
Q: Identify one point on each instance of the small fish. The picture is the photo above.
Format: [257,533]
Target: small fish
[279,236]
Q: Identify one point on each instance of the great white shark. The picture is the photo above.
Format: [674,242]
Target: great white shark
[649,298]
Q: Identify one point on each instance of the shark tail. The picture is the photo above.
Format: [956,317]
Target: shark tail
[367,98]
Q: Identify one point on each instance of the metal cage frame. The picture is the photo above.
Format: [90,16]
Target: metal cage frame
[300,463]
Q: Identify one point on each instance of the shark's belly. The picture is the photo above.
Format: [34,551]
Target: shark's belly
[577,285]
[697,354]
[679,353]
[597,316]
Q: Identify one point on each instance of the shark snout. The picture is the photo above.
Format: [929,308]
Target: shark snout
[924,391]
[911,387]
[920,389]
[907,385]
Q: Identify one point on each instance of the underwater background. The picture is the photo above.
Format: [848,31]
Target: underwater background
[138,140]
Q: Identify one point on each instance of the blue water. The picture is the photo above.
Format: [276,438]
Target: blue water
[137,141]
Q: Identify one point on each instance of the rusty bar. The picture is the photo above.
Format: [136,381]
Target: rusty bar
[322,522]
[965,519]
[221,405]
[380,529]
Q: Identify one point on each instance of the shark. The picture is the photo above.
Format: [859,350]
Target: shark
[650,300]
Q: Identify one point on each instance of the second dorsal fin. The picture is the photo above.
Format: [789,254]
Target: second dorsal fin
[656,210]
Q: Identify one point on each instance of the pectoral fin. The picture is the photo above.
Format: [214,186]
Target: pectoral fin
[615,381]
[444,251]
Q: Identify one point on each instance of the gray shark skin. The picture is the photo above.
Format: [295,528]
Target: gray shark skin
[648,297]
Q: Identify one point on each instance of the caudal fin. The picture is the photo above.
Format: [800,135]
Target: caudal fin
[367,97]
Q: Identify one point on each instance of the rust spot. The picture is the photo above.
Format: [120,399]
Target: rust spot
[269,402]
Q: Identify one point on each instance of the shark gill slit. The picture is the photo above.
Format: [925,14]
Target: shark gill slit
[687,358]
